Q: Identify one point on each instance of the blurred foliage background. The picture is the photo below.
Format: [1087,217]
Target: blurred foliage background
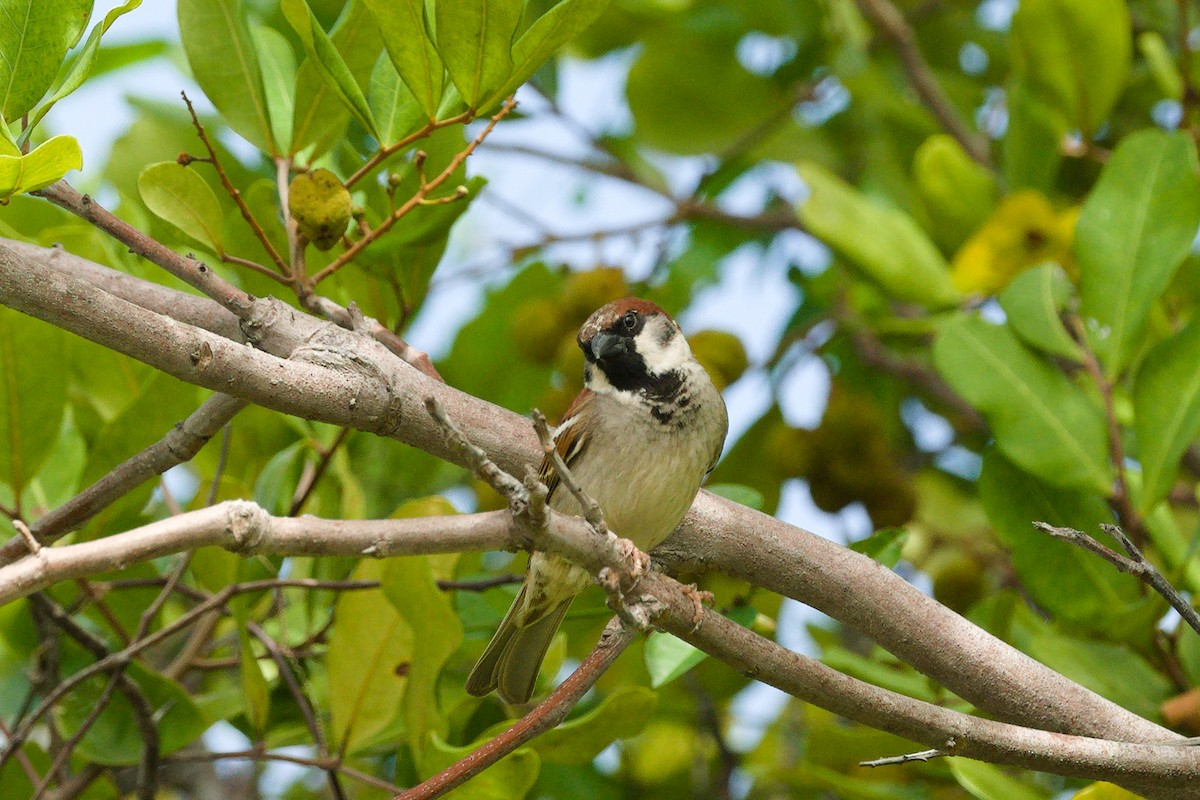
[940,252]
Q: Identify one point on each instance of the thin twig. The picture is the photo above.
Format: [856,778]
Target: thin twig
[894,26]
[233,192]
[203,756]
[548,714]
[309,481]
[418,198]
[475,457]
[480,585]
[385,152]
[907,758]
[288,673]
[591,509]
[1136,564]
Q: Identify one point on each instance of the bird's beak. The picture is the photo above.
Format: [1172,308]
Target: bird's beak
[605,345]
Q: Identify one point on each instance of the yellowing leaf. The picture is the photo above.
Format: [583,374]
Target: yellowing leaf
[1025,230]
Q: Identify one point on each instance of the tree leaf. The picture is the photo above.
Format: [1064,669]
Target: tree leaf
[409,585]
[369,657]
[1033,303]
[333,68]
[958,193]
[897,255]
[1135,229]
[33,397]
[116,739]
[552,30]
[989,782]
[1041,420]
[40,167]
[885,546]
[738,493]
[475,40]
[35,36]
[1032,149]
[510,777]
[1074,54]
[1166,401]
[181,197]
[1068,582]
[224,61]
[668,657]
[254,685]
[396,110]
[279,81]
[78,70]
[621,715]
[402,23]
[321,114]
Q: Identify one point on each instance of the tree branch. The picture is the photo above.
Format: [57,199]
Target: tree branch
[894,26]
[360,384]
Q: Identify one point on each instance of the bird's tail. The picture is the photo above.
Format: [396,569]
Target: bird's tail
[512,659]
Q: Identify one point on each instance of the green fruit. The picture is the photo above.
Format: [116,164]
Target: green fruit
[789,451]
[891,502]
[584,292]
[321,207]
[722,354]
[958,579]
[537,328]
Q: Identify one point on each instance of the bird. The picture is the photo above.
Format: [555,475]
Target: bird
[640,437]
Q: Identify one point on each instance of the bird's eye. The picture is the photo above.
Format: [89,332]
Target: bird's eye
[630,320]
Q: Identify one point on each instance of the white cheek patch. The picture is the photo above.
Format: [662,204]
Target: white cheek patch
[662,358]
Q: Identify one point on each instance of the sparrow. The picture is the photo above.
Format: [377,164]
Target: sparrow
[647,427]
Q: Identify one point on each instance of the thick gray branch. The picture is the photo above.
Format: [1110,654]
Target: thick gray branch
[351,380]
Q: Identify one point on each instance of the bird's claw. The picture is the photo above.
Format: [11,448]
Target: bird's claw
[699,599]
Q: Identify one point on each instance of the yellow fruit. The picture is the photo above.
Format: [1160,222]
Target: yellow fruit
[584,292]
[320,205]
[722,354]
[537,327]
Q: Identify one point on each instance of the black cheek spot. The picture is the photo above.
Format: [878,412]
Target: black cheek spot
[666,335]
[662,415]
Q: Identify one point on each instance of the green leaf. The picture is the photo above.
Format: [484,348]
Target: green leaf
[884,546]
[958,193]
[475,40]
[738,493]
[321,114]
[717,95]
[989,782]
[623,714]
[1111,670]
[396,110]
[35,36]
[224,61]
[1033,304]
[254,685]
[279,81]
[668,657]
[33,395]
[409,585]
[1073,54]
[1043,422]
[1135,229]
[897,255]
[402,23]
[369,657]
[552,30]
[44,165]
[81,67]
[1166,402]
[116,739]
[324,54]
[181,197]
[510,777]
[1065,580]
[1032,144]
